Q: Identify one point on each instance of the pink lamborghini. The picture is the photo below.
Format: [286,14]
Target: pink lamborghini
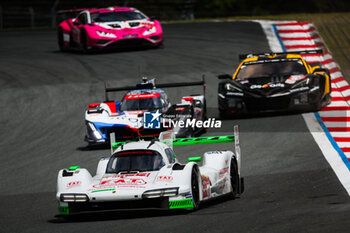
[110,27]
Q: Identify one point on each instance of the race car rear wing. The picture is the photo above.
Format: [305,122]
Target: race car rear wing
[168,138]
[244,56]
[151,85]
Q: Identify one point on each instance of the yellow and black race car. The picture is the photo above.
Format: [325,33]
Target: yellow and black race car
[274,82]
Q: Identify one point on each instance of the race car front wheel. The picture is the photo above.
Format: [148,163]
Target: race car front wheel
[84,42]
[234,178]
[195,187]
[60,40]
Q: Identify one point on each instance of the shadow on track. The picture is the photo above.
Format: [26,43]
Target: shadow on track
[94,147]
[126,49]
[135,214]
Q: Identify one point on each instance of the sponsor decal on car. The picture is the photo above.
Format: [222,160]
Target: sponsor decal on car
[206,186]
[126,182]
[73,184]
[272,85]
[142,96]
[168,179]
[123,180]
[180,109]
[117,176]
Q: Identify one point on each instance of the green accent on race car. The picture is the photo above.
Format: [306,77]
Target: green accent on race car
[73,168]
[194,159]
[64,210]
[203,140]
[193,141]
[181,204]
[102,190]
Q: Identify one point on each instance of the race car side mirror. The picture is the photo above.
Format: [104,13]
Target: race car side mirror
[76,22]
[224,76]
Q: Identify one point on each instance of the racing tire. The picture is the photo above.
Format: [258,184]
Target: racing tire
[326,100]
[234,179]
[61,40]
[160,46]
[195,188]
[223,114]
[84,44]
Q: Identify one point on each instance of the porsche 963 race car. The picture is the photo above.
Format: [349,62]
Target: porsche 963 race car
[110,27]
[126,118]
[275,82]
[146,174]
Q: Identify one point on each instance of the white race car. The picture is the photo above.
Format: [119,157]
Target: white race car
[146,174]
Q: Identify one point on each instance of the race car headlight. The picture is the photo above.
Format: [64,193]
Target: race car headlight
[106,34]
[303,83]
[150,31]
[169,192]
[74,198]
[95,131]
[231,87]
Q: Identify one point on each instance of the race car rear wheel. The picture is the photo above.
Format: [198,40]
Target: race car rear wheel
[234,178]
[195,187]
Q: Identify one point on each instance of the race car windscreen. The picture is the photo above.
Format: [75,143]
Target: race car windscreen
[268,69]
[131,103]
[116,16]
[135,161]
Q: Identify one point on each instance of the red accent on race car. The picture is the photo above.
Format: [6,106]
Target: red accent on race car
[188,99]
[142,96]
[112,106]
[93,105]
[142,152]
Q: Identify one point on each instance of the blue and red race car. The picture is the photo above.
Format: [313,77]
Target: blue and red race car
[127,118]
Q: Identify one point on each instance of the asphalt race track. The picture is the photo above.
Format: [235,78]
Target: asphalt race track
[43,94]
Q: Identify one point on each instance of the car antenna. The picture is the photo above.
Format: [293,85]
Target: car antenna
[152,142]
